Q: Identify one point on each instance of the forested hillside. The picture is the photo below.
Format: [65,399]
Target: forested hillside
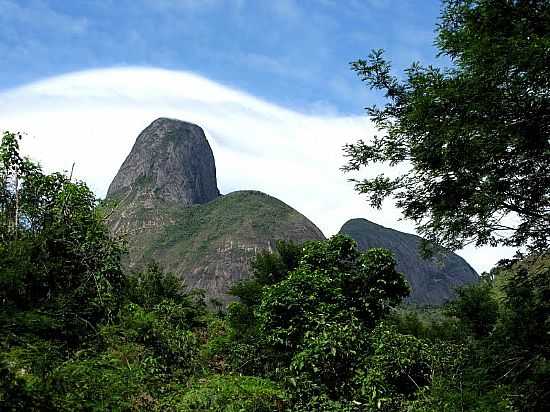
[318,327]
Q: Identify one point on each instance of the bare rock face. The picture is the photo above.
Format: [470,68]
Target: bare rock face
[432,281]
[170,160]
[170,211]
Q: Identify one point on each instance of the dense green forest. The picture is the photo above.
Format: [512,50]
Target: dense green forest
[320,326]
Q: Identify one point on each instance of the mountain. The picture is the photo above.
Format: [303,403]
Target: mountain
[432,281]
[171,160]
[170,210]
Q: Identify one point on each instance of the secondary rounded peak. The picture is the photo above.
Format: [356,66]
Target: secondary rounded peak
[170,160]
[251,194]
[432,281]
[362,221]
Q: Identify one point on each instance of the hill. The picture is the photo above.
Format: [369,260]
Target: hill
[432,281]
[169,209]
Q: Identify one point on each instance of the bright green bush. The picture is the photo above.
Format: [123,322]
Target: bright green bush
[107,381]
[229,393]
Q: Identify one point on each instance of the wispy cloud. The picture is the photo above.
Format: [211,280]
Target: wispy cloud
[38,14]
[93,118]
[288,9]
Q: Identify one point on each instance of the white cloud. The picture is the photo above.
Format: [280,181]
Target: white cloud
[93,117]
[39,14]
[287,9]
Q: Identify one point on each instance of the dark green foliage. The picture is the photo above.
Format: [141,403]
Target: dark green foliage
[106,381]
[523,335]
[319,316]
[427,323]
[476,308]
[499,360]
[56,255]
[230,393]
[333,277]
[527,303]
[398,367]
[17,394]
[326,361]
[152,285]
[476,135]
[268,268]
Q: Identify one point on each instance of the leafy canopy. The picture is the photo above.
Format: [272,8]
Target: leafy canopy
[474,137]
[56,255]
[319,316]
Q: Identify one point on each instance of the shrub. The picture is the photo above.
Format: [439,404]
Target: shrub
[229,393]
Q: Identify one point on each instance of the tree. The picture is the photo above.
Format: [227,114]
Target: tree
[476,308]
[56,254]
[268,268]
[320,315]
[474,137]
[525,328]
[332,279]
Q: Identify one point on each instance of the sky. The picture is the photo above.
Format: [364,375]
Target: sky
[268,80]
[292,52]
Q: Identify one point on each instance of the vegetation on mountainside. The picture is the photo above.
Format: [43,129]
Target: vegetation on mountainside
[319,325]
[193,241]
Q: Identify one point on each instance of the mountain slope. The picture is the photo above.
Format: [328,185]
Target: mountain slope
[432,281]
[169,210]
[210,245]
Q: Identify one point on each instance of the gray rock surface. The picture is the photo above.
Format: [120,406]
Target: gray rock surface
[432,281]
[169,210]
[170,160]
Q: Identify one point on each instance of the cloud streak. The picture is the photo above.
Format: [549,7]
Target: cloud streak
[93,117]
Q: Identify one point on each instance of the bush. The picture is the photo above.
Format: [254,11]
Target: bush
[229,393]
[318,318]
[398,367]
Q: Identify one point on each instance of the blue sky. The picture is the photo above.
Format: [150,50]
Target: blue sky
[268,80]
[295,53]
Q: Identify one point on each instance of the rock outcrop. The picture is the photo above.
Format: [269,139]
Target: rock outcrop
[171,160]
[169,210]
[432,281]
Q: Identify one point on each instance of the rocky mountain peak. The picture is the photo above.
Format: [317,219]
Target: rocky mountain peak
[170,160]
[432,281]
